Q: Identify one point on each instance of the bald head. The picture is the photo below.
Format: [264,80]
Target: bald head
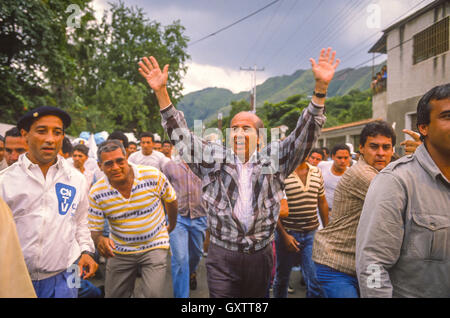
[250,117]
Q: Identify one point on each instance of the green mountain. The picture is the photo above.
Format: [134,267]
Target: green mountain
[207,103]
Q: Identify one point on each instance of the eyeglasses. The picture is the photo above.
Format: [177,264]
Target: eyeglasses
[110,163]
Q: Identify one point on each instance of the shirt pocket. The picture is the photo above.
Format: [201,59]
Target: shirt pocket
[429,237]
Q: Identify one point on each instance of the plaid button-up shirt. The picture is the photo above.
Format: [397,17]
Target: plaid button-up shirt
[215,165]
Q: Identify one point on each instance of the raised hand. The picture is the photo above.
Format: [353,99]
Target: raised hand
[411,145]
[325,67]
[149,69]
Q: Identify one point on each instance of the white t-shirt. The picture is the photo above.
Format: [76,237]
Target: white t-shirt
[156,159]
[94,173]
[330,181]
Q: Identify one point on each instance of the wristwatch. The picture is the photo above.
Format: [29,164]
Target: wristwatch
[88,253]
[319,95]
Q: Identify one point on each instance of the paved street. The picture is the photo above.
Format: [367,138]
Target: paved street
[202,287]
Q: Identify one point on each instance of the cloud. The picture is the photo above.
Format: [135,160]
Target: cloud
[200,76]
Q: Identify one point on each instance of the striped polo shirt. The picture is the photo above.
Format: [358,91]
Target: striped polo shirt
[303,200]
[137,223]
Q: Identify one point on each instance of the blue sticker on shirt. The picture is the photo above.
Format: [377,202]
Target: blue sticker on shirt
[65,194]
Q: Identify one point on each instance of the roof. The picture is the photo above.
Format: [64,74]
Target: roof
[380,45]
[4,128]
[349,125]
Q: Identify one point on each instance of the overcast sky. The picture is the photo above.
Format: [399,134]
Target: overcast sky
[279,39]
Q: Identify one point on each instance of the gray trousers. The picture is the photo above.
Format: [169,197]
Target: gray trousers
[121,271]
[234,274]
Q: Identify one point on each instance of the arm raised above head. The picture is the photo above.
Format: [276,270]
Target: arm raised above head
[156,79]
[294,149]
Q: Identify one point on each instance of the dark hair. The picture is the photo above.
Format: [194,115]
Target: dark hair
[108,146]
[132,143]
[119,136]
[326,150]
[67,146]
[338,147]
[2,139]
[424,108]
[146,134]
[82,148]
[317,150]
[166,142]
[375,128]
[13,132]
[157,142]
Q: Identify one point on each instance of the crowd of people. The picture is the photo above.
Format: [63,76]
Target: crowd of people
[379,81]
[357,225]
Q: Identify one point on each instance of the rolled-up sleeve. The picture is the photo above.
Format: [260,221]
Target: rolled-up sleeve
[379,235]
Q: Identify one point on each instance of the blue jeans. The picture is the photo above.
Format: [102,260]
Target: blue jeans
[287,259]
[336,284]
[186,243]
[55,287]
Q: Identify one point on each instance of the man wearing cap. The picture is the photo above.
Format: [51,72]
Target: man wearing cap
[48,199]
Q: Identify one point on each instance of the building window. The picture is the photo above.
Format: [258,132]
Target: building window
[411,122]
[432,41]
[331,142]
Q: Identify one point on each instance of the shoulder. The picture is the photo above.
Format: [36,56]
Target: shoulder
[98,187]
[361,172]
[399,164]
[135,155]
[145,172]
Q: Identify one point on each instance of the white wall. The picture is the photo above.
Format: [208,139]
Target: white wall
[406,79]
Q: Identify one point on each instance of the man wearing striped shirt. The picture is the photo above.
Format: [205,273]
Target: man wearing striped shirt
[130,197]
[335,245]
[242,187]
[295,234]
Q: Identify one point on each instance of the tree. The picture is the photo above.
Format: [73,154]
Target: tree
[90,71]
[34,61]
[121,43]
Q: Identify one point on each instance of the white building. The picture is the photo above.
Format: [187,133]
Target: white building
[418,59]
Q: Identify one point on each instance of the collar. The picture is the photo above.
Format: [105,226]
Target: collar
[423,157]
[27,164]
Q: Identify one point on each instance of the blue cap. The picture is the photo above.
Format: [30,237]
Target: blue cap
[27,120]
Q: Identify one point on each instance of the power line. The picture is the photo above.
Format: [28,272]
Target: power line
[261,33]
[330,31]
[269,40]
[376,33]
[234,23]
[296,30]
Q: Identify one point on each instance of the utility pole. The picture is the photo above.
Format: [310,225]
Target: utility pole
[219,121]
[253,89]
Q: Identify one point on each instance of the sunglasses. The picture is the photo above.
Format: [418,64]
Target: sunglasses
[110,163]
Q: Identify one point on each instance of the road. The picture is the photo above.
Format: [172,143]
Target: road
[202,287]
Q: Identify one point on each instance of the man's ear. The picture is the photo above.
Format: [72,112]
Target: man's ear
[24,133]
[423,129]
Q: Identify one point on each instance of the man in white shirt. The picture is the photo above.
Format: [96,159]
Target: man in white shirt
[80,156]
[147,156]
[332,171]
[48,199]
